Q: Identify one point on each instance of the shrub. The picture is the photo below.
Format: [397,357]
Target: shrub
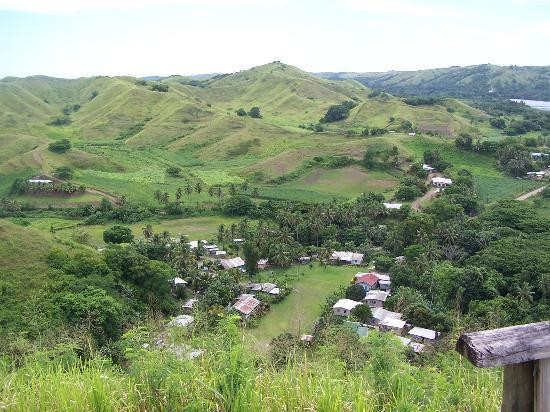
[61,146]
[159,87]
[355,292]
[498,123]
[60,121]
[241,112]
[63,172]
[118,234]
[338,112]
[238,205]
[173,171]
[255,113]
[361,313]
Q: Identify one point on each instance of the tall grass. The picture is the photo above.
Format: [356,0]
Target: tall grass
[229,378]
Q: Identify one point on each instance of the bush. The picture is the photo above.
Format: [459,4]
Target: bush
[546,192]
[238,205]
[63,172]
[173,171]
[61,146]
[255,113]
[355,292]
[422,101]
[159,87]
[60,121]
[118,234]
[362,313]
[241,112]
[498,123]
[407,192]
[338,112]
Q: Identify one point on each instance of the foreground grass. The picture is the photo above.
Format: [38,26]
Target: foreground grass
[298,311]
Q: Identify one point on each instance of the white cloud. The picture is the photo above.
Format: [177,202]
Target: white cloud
[404,7]
[75,6]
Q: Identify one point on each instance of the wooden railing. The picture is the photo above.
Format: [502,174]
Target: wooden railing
[524,351]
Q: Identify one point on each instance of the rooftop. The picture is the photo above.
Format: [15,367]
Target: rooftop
[376,295]
[346,304]
[246,304]
[232,263]
[369,278]
[423,333]
[381,314]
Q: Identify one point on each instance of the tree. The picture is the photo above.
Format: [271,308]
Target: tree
[61,146]
[198,187]
[251,257]
[158,195]
[165,198]
[188,189]
[255,192]
[498,123]
[355,292]
[362,313]
[173,171]
[179,192]
[244,186]
[63,172]
[255,112]
[232,189]
[241,112]
[148,231]
[238,205]
[118,234]
[159,87]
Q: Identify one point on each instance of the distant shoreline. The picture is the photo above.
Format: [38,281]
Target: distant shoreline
[535,104]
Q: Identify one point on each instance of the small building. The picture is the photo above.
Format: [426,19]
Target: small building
[379,314]
[181,321]
[359,328]
[220,253]
[178,282]
[441,182]
[344,307]
[538,155]
[367,280]
[304,260]
[392,206]
[422,335]
[350,258]
[392,324]
[262,264]
[40,180]
[412,134]
[376,298]
[428,168]
[384,282]
[246,305]
[270,288]
[536,175]
[237,262]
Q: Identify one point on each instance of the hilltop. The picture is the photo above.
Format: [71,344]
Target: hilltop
[524,82]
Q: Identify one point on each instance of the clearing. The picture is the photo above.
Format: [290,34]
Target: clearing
[299,310]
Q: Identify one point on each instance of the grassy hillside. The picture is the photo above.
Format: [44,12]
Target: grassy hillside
[527,82]
[125,134]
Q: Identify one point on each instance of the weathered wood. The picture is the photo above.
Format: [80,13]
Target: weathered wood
[506,346]
[542,385]
[518,388]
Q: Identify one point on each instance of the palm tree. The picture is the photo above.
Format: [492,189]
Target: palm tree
[221,234]
[198,187]
[158,195]
[244,186]
[165,197]
[148,231]
[178,193]
[188,189]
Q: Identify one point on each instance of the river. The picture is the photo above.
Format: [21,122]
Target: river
[535,104]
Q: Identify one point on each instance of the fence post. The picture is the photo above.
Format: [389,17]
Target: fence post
[524,351]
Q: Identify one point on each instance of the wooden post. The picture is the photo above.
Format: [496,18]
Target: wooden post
[524,351]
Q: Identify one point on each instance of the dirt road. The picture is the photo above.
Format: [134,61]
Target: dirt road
[531,193]
[430,194]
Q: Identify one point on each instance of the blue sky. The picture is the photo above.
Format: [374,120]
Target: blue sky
[72,38]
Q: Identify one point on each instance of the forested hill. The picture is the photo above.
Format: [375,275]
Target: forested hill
[525,82]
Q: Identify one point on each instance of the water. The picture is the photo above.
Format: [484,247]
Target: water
[535,104]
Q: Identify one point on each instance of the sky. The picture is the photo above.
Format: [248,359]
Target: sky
[75,38]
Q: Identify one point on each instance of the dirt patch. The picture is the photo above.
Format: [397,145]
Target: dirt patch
[442,129]
[314,177]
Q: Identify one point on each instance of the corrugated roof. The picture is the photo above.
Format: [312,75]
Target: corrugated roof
[232,263]
[246,305]
[423,333]
[369,278]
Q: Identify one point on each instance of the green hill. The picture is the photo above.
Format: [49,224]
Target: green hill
[125,133]
[524,82]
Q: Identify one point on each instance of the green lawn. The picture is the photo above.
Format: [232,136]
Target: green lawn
[298,311]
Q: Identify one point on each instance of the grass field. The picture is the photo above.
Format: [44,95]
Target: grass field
[298,311]
[204,227]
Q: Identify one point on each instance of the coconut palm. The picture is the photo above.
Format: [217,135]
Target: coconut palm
[178,193]
[148,231]
[188,189]
[198,187]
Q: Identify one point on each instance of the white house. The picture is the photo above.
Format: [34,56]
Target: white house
[349,258]
[536,175]
[428,168]
[423,335]
[392,324]
[379,314]
[412,134]
[344,307]
[40,180]
[384,282]
[237,262]
[376,298]
[395,206]
[441,182]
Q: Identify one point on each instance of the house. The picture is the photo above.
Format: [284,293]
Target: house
[189,304]
[422,335]
[384,282]
[538,155]
[441,182]
[394,206]
[359,328]
[379,314]
[344,307]
[349,258]
[376,298]
[220,253]
[237,262]
[262,264]
[428,168]
[412,134]
[536,175]
[40,180]
[304,260]
[367,280]
[392,324]
[416,347]
[178,282]
[246,305]
[181,321]
[270,288]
